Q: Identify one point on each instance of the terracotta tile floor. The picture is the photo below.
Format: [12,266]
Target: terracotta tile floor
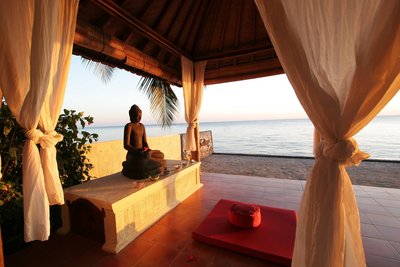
[169,242]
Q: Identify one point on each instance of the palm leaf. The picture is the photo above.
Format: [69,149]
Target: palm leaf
[105,72]
[164,105]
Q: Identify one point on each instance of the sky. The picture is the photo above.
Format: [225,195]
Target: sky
[257,99]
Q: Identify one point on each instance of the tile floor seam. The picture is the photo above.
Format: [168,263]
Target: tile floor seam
[378,256]
[142,256]
[388,240]
[397,254]
[176,258]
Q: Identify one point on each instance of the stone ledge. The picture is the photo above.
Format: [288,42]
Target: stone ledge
[132,206]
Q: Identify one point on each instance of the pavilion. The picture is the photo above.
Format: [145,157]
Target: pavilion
[342,59]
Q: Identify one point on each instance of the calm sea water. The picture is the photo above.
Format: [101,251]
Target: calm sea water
[381,138]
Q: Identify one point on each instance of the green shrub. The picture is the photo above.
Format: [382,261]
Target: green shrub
[73,165]
[73,168]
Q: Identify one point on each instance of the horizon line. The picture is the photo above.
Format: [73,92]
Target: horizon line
[222,121]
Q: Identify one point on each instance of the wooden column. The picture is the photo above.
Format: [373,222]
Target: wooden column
[196,155]
[1,250]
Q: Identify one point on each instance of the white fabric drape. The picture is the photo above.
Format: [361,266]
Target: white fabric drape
[193,85]
[54,100]
[342,58]
[35,51]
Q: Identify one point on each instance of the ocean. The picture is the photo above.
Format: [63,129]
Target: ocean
[289,137]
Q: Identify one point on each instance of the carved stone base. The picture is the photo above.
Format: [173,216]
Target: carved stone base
[132,206]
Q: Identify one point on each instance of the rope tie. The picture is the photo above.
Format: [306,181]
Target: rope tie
[34,135]
[192,125]
[50,138]
[345,151]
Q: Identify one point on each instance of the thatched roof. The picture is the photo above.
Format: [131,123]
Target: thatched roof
[148,37]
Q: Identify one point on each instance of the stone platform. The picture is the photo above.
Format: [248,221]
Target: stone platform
[129,206]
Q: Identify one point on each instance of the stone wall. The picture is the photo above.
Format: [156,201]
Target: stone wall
[107,157]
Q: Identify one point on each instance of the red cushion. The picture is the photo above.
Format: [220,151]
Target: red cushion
[273,240]
[244,215]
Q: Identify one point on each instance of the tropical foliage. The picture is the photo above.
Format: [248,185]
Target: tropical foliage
[104,72]
[164,105]
[73,167]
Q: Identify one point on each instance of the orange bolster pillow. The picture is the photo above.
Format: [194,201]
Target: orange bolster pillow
[244,215]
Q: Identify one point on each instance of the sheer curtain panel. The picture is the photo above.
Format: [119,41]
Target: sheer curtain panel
[193,85]
[342,59]
[35,49]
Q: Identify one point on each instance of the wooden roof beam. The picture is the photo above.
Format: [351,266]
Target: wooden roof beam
[146,31]
[242,76]
[234,53]
[242,71]
[161,54]
[224,26]
[237,37]
[94,39]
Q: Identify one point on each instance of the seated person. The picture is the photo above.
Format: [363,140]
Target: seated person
[141,162]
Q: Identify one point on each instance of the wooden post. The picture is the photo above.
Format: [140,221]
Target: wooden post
[197,155]
[1,250]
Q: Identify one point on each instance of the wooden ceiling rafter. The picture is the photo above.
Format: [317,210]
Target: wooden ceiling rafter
[142,11]
[244,71]
[184,33]
[145,7]
[255,25]
[149,37]
[179,32]
[103,20]
[204,21]
[224,27]
[160,55]
[140,43]
[190,23]
[144,30]
[150,45]
[241,76]
[213,17]
[230,53]
[237,37]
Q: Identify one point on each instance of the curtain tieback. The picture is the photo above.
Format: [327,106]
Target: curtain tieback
[192,125]
[345,151]
[34,135]
[50,138]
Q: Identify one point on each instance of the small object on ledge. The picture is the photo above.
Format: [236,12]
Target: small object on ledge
[177,167]
[192,161]
[184,164]
[154,178]
[139,185]
[166,172]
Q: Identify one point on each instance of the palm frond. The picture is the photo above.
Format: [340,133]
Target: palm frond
[104,72]
[164,105]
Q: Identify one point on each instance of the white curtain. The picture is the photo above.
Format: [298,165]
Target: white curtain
[342,59]
[193,85]
[35,51]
